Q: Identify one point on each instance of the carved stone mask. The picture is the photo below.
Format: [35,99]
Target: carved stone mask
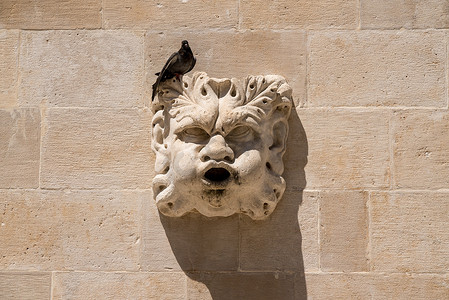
[219,145]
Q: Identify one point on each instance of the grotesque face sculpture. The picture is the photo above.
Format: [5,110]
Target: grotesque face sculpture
[219,145]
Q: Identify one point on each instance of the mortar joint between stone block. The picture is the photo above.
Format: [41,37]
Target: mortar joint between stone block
[391,139]
[370,233]
[446,73]
[319,230]
[359,14]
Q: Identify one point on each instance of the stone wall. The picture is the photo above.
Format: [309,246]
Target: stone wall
[366,210]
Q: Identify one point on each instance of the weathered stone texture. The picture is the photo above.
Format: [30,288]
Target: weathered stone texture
[67,230]
[234,54]
[343,231]
[96,148]
[81,68]
[19,148]
[409,232]
[287,14]
[50,14]
[25,286]
[347,148]
[9,44]
[209,286]
[421,149]
[100,285]
[376,286]
[372,68]
[170,15]
[191,242]
[388,14]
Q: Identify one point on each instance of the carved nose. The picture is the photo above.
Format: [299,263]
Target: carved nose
[217,149]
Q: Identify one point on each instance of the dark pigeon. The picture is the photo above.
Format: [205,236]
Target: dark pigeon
[177,65]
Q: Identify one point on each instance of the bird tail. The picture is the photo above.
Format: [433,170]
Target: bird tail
[154,91]
[155,87]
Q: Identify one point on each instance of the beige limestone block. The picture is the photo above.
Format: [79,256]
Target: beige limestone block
[409,232]
[191,242]
[136,285]
[247,285]
[286,241]
[50,14]
[343,231]
[25,286]
[96,148]
[20,131]
[421,149]
[287,14]
[308,225]
[95,68]
[389,14]
[346,148]
[233,54]
[9,44]
[374,68]
[170,15]
[70,230]
[376,286]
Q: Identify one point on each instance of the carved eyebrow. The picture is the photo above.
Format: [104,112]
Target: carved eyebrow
[243,115]
[195,118]
[194,124]
[192,121]
[245,120]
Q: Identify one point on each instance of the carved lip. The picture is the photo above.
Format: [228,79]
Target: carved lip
[217,175]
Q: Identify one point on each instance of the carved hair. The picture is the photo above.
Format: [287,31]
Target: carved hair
[260,94]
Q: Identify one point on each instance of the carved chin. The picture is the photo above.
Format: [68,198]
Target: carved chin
[219,193]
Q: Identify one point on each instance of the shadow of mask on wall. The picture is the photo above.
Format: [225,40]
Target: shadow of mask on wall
[219,147]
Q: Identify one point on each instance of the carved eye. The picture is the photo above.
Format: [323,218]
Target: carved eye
[194,134]
[240,132]
[195,131]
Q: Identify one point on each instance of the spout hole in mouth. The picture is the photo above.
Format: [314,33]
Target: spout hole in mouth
[217,174]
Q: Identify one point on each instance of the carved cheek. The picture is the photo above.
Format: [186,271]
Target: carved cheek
[250,165]
[245,148]
[184,159]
